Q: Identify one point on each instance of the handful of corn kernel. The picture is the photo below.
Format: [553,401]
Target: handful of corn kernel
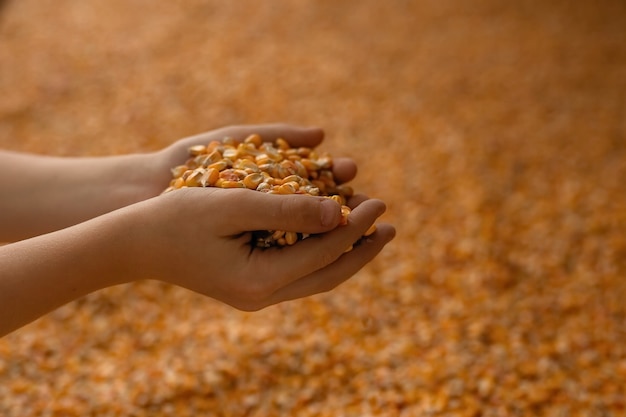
[269,167]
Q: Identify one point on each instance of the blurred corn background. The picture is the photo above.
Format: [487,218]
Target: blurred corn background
[495,131]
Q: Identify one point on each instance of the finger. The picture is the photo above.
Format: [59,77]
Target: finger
[290,263]
[248,210]
[329,277]
[344,169]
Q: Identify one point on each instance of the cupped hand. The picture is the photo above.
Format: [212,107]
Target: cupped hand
[200,239]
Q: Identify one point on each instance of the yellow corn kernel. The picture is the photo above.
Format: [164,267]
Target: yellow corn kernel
[230,184]
[252,181]
[230,141]
[197,150]
[178,183]
[339,199]
[193,179]
[179,170]
[209,177]
[310,165]
[288,188]
[264,187]
[345,212]
[254,139]
[277,234]
[213,145]
[219,165]
[230,153]
[291,238]
[282,144]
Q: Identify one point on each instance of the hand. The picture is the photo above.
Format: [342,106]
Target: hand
[200,239]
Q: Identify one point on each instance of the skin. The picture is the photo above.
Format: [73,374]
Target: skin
[83,224]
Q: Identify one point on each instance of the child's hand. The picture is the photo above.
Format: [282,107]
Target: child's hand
[201,239]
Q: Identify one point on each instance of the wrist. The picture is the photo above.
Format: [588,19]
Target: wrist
[132,178]
[136,243]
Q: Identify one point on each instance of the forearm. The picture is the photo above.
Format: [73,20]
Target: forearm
[40,274]
[40,194]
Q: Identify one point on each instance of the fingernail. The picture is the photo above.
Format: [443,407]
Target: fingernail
[330,212]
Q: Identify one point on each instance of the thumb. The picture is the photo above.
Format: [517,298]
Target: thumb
[295,213]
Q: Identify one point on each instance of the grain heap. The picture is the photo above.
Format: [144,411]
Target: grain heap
[273,168]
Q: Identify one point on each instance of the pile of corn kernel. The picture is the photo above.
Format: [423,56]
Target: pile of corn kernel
[494,131]
[273,168]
